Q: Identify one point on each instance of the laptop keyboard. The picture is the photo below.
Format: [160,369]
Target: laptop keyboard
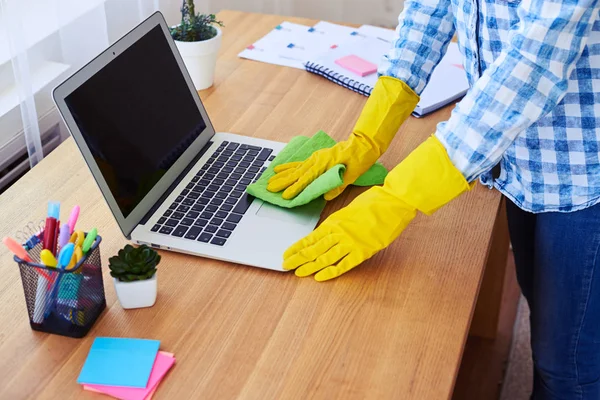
[215,200]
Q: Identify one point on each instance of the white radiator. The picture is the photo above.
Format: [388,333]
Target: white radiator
[14,161]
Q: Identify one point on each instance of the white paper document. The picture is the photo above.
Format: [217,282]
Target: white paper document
[448,83]
[318,47]
[291,45]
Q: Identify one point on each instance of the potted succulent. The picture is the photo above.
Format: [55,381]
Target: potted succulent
[134,274]
[198,39]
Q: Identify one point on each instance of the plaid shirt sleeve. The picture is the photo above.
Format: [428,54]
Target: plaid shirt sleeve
[425,27]
[527,80]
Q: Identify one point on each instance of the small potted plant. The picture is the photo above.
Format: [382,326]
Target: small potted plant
[134,274]
[198,39]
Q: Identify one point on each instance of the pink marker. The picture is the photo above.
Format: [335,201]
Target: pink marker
[73,219]
[64,235]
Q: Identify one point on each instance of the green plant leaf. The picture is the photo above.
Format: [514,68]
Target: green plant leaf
[134,263]
[195,27]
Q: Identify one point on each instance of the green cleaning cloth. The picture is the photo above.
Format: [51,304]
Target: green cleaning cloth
[299,149]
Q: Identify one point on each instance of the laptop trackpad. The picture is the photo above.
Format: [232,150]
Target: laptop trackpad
[303,215]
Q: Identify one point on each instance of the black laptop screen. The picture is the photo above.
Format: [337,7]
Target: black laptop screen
[137,116]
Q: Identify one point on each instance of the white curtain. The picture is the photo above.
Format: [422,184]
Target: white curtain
[44,41]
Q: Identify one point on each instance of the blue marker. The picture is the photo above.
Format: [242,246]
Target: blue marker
[64,258]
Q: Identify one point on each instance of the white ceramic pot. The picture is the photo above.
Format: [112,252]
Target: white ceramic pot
[200,59]
[137,294]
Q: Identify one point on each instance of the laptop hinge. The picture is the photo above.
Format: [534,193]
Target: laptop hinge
[174,184]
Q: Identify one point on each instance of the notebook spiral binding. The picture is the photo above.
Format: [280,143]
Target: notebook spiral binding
[340,79]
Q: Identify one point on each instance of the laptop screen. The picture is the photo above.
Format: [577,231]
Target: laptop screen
[137,116]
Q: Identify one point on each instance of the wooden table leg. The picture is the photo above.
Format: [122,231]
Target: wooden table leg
[487,309]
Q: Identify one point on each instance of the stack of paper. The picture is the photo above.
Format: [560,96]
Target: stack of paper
[342,54]
[128,369]
[291,45]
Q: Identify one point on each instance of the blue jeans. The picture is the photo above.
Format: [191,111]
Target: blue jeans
[558,268]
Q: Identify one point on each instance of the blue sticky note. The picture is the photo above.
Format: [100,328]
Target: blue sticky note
[119,362]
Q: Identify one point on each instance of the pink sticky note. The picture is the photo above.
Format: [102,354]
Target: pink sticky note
[357,65]
[164,362]
[149,397]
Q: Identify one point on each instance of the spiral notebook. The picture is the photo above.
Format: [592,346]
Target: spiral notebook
[447,83]
[367,48]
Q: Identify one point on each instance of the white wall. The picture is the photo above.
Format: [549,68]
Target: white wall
[375,12]
[124,15]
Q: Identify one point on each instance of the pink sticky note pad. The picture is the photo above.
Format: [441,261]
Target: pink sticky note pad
[357,65]
[164,362]
[89,389]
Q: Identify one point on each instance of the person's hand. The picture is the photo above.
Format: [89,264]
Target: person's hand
[350,236]
[390,103]
[294,177]
[424,181]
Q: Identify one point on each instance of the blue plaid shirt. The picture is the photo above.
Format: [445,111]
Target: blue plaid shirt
[534,102]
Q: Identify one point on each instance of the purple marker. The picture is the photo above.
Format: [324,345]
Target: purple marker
[64,236]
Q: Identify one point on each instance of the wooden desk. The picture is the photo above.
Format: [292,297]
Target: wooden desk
[393,328]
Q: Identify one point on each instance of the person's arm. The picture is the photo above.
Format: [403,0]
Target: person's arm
[425,28]
[525,83]
[422,37]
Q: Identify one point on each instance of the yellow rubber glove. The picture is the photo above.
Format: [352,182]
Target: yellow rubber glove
[389,105]
[424,181]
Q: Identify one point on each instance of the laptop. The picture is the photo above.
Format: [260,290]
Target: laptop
[169,179]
